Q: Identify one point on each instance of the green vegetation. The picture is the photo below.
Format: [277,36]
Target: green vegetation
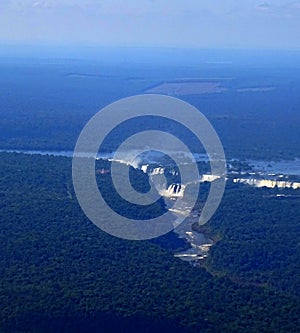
[45,105]
[258,238]
[59,273]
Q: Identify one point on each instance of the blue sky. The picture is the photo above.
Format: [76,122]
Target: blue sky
[175,23]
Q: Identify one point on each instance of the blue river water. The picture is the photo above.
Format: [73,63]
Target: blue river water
[285,167]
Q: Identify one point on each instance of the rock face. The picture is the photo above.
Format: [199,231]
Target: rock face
[267,183]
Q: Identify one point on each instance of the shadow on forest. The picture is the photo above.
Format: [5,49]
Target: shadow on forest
[101,322]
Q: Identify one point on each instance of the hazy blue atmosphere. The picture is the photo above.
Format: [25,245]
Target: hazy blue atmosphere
[176,23]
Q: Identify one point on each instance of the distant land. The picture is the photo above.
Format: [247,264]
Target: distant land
[186,87]
[251,98]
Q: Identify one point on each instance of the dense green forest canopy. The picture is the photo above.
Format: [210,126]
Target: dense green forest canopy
[59,273]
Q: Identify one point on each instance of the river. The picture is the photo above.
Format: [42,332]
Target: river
[285,167]
[200,244]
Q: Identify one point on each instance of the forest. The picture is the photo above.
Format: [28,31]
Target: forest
[60,273]
[47,102]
